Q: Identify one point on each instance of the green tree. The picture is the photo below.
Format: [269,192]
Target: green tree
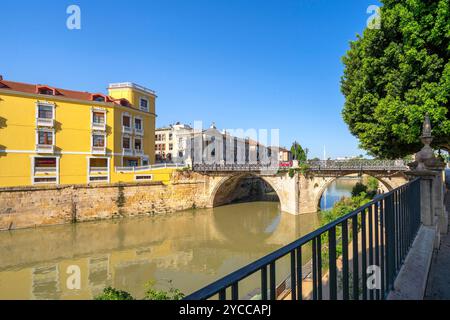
[358,189]
[372,184]
[396,74]
[298,153]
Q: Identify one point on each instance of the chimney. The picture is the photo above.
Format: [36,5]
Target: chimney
[1,77]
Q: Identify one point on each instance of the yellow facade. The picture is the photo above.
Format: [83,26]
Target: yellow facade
[69,137]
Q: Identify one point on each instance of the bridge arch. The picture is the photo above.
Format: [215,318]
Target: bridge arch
[223,191]
[387,183]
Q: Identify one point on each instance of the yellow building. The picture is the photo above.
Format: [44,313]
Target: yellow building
[56,136]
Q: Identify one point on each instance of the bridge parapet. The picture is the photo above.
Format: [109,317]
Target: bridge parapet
[326,165]
[362,165]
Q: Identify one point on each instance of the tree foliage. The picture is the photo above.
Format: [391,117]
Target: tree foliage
[298,153]
[114,294]
[153,294]
[396,74]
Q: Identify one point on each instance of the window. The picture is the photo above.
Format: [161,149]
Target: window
[98,117]
[131,163]
[45,170]
[145,162]
[98,178]
[45,137]
[98,98]
[137,144]
[45,112]
[126,143]
[98,140]
[126,121]
[170,136]
[143,104]
[170,146]
[46,91]
[147,177]
[44,164]
[138,123]
[38,180]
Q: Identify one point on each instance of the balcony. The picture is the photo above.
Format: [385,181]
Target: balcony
[98,150]
[127,152]
[126,129]
[139,131]
[98,126]
[98,170]
[45,170]
[138,152]
[45,122]
[45,148]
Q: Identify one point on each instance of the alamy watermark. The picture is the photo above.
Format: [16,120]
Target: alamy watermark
[374,21]
[73,21]
[232,146]
[73,281]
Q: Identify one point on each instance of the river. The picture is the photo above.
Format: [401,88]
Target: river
[186,250]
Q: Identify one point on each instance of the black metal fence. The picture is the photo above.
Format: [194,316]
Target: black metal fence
[358,256]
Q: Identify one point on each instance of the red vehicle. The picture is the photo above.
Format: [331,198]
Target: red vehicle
[287,164]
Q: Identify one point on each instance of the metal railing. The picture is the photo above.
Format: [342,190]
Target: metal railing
[233,167]
[150,167]
[327,165]
[98,169]
[379,233]
[358,164]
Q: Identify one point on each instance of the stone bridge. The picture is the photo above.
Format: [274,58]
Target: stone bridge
[299,193]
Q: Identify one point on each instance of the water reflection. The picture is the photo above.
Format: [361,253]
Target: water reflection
[338,189]
[191,248]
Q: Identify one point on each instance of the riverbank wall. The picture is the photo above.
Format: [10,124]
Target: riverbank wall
[27,207]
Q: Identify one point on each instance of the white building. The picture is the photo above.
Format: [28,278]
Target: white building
[180,143]
[171,143]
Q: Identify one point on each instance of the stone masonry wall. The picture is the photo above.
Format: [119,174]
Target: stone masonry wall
[25,207]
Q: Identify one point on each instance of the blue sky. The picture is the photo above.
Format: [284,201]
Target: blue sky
[241,63]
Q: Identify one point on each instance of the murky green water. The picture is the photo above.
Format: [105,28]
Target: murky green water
[191,249]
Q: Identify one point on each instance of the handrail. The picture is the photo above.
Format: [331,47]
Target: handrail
[150,167]
[320,165]
[219,286]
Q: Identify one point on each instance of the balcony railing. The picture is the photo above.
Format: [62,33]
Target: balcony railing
[45,148]
[139,131]
[98,170]
[379,233]
[98,126]
[149,167]
[98,150]
[126,129]
[45,122]
[127,152]
[138,152]
[45,170]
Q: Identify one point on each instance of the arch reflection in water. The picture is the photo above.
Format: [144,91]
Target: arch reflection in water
[191,248]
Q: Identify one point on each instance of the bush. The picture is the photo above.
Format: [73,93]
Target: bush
[372,184]
[358,189]
[114,294]
[153,294]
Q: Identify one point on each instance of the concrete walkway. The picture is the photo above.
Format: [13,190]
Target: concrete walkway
[438,287]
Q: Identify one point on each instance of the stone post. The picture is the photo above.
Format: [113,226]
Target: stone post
[430,169]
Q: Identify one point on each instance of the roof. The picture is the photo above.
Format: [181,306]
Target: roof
[58,92]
